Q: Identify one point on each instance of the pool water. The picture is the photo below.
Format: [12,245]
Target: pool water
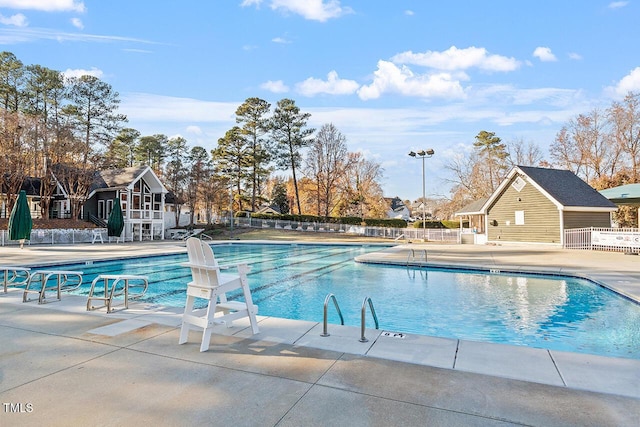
[292,281]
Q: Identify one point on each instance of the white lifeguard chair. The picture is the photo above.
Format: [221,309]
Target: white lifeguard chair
[209,283]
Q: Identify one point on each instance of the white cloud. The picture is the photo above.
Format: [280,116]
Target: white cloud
[160,109]
[458,59]
[575,56]
[315,10]
[388,78]
[629,83]
[334,85]
[544,54]
[618,4]
[137,50]
[17,20]
[76,22]
[409,12]
[280,40]
[21,35]
[68,73]
[275,86]
[45,5]
[196,130]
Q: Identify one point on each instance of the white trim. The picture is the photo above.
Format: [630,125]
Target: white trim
[588,209]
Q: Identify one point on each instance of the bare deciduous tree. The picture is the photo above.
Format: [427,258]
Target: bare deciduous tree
[625,122]
[325,163]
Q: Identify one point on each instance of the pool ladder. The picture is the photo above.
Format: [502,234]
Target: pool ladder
[412,255]
[363,310]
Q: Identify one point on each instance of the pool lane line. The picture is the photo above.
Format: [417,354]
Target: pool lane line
[118,265]
[236,294]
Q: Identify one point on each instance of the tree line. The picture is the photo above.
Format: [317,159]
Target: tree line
[70,127]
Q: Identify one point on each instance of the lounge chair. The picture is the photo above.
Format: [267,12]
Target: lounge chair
[209,283]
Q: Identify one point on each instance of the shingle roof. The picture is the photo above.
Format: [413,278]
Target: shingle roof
[566,187]
[111,178]
[473,207]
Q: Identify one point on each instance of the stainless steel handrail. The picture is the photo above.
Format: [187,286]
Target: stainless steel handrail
[362,317]
[324,322]
[412,255]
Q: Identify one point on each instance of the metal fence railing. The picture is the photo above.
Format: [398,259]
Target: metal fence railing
[55,236]
[603,239]
[71,236]
[427,234]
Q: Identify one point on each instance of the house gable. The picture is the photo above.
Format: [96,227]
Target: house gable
[527,215]
[126,178]
[538,204]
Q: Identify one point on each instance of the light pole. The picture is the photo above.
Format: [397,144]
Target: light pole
[423,154]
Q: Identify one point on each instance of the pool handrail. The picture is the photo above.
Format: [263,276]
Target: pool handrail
[11,274]
[324,321]
[362,317]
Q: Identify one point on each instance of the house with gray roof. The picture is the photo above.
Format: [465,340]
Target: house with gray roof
[536,205]
[397,209]
[142,198]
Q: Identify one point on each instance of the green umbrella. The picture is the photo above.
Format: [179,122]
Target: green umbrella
[115,224]
[20,222]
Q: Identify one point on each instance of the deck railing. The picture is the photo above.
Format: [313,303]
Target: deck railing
[144,214]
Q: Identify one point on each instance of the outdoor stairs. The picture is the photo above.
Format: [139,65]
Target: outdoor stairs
[97,221]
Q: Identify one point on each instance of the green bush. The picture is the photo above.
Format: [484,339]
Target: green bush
[350,220]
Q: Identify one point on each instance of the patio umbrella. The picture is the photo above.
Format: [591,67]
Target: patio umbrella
[20,222]
[115,224]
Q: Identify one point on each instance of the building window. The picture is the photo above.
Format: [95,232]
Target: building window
[519,217]
[518,184]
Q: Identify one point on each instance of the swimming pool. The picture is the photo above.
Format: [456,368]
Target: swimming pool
[292,281]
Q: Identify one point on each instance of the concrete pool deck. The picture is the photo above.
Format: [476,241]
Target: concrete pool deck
[61,365]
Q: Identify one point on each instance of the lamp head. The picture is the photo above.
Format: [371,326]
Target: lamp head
[430,152]
[412,154]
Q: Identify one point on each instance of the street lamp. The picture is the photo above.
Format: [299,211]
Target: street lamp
[423,154]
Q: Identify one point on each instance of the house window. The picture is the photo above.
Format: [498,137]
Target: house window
[519,217]
[101,209]
[518,184]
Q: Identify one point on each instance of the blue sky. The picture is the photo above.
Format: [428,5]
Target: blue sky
[392,75]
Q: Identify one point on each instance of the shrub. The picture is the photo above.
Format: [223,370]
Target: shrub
[349,220]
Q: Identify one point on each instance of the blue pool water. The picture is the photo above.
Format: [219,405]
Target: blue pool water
[292,281]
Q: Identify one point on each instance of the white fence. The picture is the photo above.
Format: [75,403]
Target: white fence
[71,236]
[55,236]
[428,234]
[603,239]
